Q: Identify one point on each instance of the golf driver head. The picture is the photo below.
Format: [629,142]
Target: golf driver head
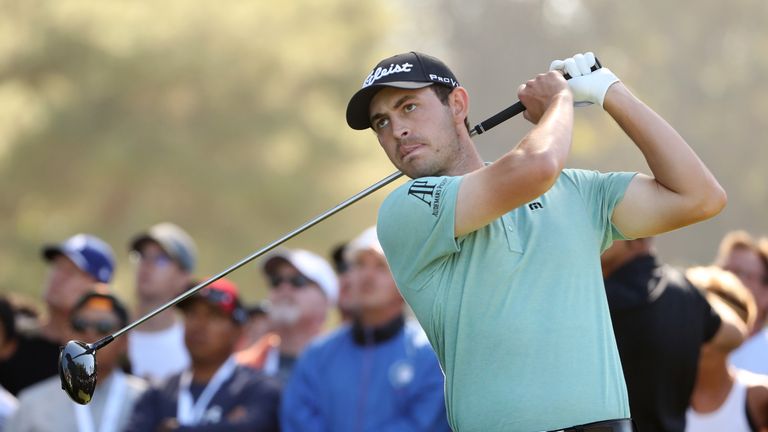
[77,371]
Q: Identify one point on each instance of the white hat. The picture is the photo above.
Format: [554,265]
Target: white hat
[368,240]
[310,265]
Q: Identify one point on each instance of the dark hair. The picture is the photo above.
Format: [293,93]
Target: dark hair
[337,257]
[442,93]
[8,318]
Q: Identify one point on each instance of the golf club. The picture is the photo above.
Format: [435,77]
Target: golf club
[77,359]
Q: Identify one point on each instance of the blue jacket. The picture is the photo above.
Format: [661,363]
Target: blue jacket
[247,401]
[355,379]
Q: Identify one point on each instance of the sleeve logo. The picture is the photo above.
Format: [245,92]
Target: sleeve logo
[428,193]
[423,191]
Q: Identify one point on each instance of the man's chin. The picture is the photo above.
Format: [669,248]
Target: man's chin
[415,172]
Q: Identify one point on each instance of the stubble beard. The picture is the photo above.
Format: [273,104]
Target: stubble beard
[439,163]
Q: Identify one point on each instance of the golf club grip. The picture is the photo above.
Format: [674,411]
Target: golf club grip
[594,67]
[500,117]
[513,110]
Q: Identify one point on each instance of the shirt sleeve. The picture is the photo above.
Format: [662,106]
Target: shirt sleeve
[146,415]
[416,229]
[601,193]
[712,320]
[19,420]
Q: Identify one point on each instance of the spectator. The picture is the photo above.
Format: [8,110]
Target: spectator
[45,407]
[725,399]
[166,256]
[660,321]
[341,268]
[74,267]
[739,253]
[214,394]
[256,326]
[378,373]
[8,341]
[303,287]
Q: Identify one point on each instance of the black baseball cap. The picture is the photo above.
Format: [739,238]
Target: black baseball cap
[411,70]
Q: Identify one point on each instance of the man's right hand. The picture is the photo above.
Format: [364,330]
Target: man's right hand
[538,93]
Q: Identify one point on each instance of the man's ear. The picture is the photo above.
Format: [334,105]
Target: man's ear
[458,100]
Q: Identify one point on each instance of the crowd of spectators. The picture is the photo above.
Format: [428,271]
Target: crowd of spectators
[333,347]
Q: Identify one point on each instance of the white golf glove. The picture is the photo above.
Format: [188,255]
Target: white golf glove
[588,87]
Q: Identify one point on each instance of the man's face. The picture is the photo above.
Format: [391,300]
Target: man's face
[373,288]
[210,334]
[294,298]
[90,324]
[158,277]
[746,264]
[66,283]
[416,130]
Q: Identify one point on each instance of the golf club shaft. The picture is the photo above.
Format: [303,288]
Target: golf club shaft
[504,115]
[349,201]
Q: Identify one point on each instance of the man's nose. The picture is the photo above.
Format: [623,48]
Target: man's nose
[400,129]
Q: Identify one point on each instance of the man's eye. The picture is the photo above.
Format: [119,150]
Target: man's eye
[410,107]
[381,123]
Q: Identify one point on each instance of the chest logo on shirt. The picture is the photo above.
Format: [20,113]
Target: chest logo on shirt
[535,205]
[401,373]
[428,193]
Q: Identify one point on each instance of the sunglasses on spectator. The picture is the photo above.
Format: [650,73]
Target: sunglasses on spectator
[101,327]
[158,260]
[298,281]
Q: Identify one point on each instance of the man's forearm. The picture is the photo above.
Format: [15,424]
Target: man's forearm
[553,133]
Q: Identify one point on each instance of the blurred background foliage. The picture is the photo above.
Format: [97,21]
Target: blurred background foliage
[227,117]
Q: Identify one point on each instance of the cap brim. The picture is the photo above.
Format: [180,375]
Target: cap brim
[50,252]
[184,304]
[237,317]
[358,115]
[273,260]
[140,239]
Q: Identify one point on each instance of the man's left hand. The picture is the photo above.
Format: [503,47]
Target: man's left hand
[589,87]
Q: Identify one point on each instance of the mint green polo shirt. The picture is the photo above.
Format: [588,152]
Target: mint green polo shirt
[516,311]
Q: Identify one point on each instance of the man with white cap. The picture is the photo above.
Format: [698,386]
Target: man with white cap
[303,288]
[377,373]
[75,265]
[165,260]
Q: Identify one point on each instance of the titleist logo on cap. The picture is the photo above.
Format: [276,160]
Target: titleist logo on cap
[380,72]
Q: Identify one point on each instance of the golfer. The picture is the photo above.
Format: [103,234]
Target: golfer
[501,262]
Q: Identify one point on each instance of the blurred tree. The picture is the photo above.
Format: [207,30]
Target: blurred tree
[225,117]
[228,117]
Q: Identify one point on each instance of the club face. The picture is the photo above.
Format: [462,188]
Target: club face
[77,371]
